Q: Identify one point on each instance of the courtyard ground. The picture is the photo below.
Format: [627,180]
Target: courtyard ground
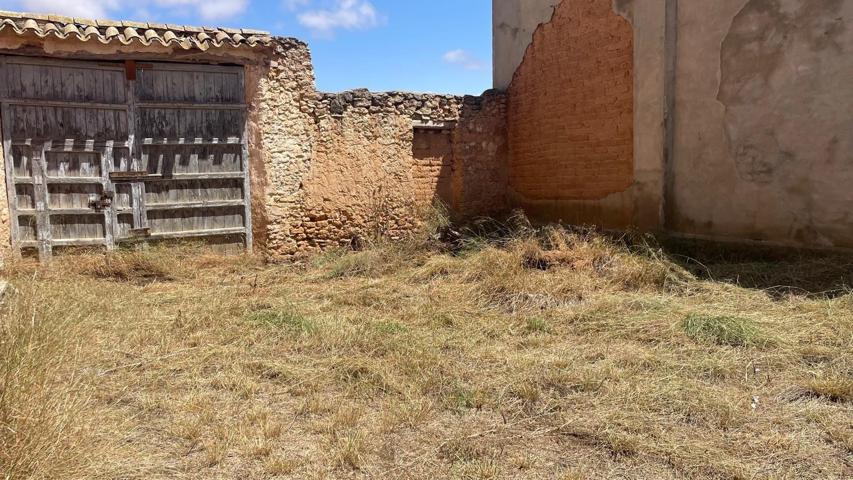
[525,354]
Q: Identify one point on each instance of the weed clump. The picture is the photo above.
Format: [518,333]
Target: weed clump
[723,330]
[137,268]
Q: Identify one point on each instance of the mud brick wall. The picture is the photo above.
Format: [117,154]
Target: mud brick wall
[571,106]
[481,156]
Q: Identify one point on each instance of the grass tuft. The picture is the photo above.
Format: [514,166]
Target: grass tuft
[537,325]
[723,330]
[286,319]
[835,387]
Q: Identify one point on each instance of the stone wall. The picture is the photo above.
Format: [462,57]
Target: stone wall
[333,169]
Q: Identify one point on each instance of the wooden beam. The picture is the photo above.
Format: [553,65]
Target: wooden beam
[195,176]
[65,242]
[197,233]
[107,189]
[192,106]
[61,104]
[41,200]
[73,180]
[192,205]
[190,141]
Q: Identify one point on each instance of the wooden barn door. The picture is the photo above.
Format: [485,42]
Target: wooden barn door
[64,125]
[190,134]
[105,153]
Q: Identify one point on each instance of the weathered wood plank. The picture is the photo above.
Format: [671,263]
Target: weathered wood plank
[194,205]
[212,142]
[58,211]
[192,106]
[63,104]
[247,181]
[110,213]
[197,233]
[78,242]
[73,180]
[43,230]
[5,131]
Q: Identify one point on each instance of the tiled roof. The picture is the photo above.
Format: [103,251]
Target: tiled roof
[126,33]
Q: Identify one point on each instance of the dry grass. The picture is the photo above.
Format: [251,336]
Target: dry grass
[534,354]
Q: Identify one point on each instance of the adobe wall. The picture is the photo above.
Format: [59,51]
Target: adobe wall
[576,153]
[481,157]
[764,121]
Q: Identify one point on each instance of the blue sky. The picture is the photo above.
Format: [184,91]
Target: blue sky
[439,46]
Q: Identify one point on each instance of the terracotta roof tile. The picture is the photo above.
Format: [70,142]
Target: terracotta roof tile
[125,32]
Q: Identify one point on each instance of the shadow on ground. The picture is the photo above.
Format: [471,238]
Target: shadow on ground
[781,272]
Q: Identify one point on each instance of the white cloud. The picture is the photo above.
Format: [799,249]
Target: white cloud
[295,4]
[464,59]
[344,14]
[209,9]
[76,8]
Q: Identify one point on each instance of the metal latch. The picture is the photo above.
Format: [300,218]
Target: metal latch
[103,203]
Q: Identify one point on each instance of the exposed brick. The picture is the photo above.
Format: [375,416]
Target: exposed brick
[570,106]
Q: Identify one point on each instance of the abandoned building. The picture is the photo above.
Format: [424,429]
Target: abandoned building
[727,120]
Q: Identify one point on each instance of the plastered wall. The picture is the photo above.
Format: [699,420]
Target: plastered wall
[764,121]
[514,24]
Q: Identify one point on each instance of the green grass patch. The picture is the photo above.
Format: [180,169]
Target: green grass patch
[723,330]
[389,328]
[536,325]
[290,320]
